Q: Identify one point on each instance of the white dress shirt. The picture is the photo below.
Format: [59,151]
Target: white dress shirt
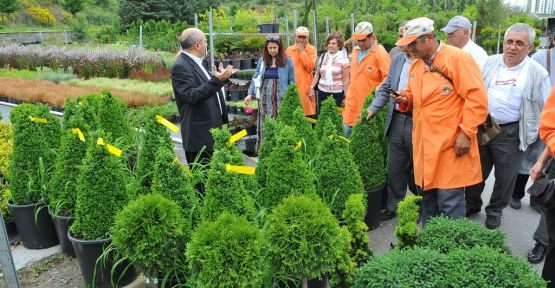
[199,63]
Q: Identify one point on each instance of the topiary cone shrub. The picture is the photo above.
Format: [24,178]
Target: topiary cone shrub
[151,232]
[291,101]
[304,238]
[287,172]
[407,230]
[101,192]
[444,235]
[336,173]
[344,271]
[304,131]
[236,257]
[271,130]
[112,114]
[154,135]
[225,190]
[355,210]
[33,144]
[329,111]
[367,147]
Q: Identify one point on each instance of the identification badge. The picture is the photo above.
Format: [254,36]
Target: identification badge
[446,90]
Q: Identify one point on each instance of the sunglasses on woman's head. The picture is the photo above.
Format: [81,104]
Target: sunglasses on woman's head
[272,37]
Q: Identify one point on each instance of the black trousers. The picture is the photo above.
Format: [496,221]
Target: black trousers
[520,186]
[321,96]
[548,272]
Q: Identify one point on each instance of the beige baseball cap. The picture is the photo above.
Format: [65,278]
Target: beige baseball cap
[302,31]
[415,28]
[362,30]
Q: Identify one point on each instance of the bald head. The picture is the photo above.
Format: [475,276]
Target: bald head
[193,41]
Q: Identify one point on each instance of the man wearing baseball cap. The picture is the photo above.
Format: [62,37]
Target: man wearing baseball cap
[369,67]
[304,60]
[458,34]
[446,92]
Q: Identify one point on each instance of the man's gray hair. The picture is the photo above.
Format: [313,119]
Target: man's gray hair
[189,41]
[522,27]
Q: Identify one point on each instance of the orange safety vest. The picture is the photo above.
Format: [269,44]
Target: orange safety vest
[304,64]
[547,123]
[440,111]
[365,77]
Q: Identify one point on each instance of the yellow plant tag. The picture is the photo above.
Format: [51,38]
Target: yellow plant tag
[37,119]
[79,134]
[176,160]
[167,123]
[313,121]
[113,150]
[341,137]
[100,141]
[340,109]
[331,136]
[299,144]
[237,136]
[240,169]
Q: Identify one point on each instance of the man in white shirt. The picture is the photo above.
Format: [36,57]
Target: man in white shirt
[458,32]
[517,88]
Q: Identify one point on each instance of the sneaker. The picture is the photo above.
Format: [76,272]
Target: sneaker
[493,221]
[537,254]
[515,203]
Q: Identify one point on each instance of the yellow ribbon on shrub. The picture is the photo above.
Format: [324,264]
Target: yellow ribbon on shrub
[79,134]
[343,138]
[112,149]
[340,109]
[167,123]
[240,169]
[38,120]
[176,160]
[236,137]
[313,121]
[299,144]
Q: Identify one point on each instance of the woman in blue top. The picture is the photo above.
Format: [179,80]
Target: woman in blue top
[274,72]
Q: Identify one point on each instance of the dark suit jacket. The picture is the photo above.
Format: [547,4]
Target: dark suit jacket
[197,102]
[391,82]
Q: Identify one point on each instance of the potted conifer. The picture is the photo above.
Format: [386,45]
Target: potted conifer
[329,111]
[151,233]
[6,149]
[368,149]
[36,135]
[237,254]
[271,130]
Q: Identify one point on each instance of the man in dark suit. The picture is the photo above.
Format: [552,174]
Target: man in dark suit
[199,95]
[398,130]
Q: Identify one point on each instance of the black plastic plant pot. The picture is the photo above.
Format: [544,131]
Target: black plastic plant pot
[236,64]
[171,282]
[61,224]
[374,207]
[35,233]
[11,229]
[98,273]
[246,64]
[318,283]
[234,95]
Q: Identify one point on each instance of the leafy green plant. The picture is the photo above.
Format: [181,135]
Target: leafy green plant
[407,230]
[329,111]
[444,235]
[6,146]
[225,190]
[484,267]
[271,130]
[101,192]
[237,254]
[171,181]
[344,272]
[368,149]
[291,101]
[34,142]
[304,238]
[137,86]
[155,135]
[355,210]
[336,173]
[112,115]
[5,196]
[404,268]
[286,173]
[137,116]
[151,232]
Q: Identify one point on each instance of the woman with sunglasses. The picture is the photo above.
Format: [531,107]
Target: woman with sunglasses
[274,73]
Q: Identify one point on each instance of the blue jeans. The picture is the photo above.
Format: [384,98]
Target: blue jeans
[347,129]
[445,202]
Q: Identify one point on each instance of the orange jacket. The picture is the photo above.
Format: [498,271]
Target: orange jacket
[304,64]
[365,77]
[440,112]
[547,123]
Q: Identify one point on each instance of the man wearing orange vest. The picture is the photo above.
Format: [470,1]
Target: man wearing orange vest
[304,60]
[369,67]
[448,98]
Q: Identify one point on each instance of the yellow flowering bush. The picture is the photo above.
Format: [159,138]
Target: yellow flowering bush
[6,145]
[41,15]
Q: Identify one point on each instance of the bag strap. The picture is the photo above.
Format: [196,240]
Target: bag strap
[320,62]
[548,52]
[434,69]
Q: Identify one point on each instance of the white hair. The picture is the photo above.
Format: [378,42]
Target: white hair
[522,27]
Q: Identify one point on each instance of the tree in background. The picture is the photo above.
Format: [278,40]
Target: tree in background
[72,6]
[7,7]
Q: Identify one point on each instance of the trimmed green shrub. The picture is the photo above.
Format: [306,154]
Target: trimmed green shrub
[5,196]
[137,116]
[304,131]
[329,111]
[445,234]
[151,233]
[236,256]
[344,272]
[336,174]
[101,192]
[112,114]
[271,130]
[88,112]
[404,268]
[304,238]
[368,149]
[407,230]
[483,267]
[33,152]
[287,173]
[225,190]
[354,213]
[291,101]
[6,146]
[154,136]
[171,181]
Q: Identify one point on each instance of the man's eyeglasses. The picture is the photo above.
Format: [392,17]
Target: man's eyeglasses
[272,37]
[518,43]
[301,36]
